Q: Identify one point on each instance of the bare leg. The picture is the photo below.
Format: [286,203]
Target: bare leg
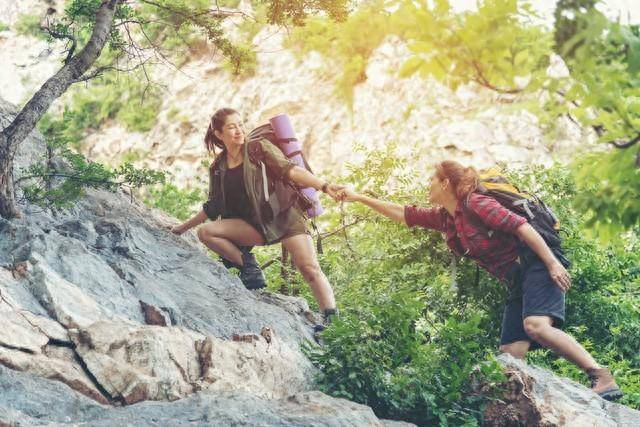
[517,348]
[304,257]
[540,328]
[224,235]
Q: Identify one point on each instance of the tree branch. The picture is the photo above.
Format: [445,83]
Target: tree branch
[60,36]
[100,70]
[626,144]
[600,130]
[56,85]
[216,13]
[482,80]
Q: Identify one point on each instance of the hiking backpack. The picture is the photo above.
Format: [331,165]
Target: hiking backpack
[529,206]
[308,197]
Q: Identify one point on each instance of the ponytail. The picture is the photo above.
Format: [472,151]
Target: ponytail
[468,183]
[211,141]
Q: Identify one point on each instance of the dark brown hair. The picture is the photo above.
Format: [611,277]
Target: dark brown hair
[465,180]
[216,123]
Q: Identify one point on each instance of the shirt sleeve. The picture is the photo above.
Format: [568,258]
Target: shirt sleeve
[275,160]
[493,214]
[209,206]
[209,209]
[432,218]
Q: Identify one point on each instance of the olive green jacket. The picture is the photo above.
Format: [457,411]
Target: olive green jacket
[276,205]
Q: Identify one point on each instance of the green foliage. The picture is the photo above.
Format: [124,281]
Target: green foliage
[609,185]
[181,203]
[283,12]
[491,46]
[605,63]
[379,354]
[347,45]
[243,65]
[62,176]
[4,26]
[502,46]
[139,111]
[29,25]
[604,59]
[454,48]
[567,22]
[125,98]
[406,317]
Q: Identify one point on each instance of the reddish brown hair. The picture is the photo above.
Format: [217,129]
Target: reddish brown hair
[465,180]
[216,123]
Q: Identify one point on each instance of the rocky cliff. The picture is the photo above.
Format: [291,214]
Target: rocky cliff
[100,307]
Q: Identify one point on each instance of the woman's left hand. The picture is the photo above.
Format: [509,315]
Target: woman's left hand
[560,276]
[178,229]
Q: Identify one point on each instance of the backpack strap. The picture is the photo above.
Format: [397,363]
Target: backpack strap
[304,159]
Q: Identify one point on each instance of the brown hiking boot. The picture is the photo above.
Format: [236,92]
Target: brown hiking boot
[603,383]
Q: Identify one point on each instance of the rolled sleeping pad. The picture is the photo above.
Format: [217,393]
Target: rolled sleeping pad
[292,148]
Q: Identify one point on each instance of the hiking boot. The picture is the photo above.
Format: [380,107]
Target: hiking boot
[603,383]
[230,264]
[327,316]
[250,272]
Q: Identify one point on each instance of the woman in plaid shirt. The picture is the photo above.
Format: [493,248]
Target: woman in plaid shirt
[508,247]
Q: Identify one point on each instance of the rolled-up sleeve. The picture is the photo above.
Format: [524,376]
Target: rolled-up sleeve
[432,218]
[275,160]
[209,206]
[493,214]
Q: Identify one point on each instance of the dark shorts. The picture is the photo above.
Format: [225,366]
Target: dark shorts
[533,294]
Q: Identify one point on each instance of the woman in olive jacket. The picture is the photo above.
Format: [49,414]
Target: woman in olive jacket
[252,202]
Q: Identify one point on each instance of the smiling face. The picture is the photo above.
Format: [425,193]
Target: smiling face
[232,132]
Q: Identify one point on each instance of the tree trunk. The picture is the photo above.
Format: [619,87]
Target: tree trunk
[7,204]
[52,89]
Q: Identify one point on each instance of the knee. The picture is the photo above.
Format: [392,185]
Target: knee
[534,327]
[310,270]
[204,234]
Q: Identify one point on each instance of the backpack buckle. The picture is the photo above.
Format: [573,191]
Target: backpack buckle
[525,205]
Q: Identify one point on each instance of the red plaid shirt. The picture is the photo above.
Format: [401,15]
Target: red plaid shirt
[491,243]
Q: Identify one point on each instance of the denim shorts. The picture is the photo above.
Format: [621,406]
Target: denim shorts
[533,293]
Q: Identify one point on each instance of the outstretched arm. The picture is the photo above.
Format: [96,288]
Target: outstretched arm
[304,178]
[388,209]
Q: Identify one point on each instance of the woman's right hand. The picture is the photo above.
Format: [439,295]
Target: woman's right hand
[178,229]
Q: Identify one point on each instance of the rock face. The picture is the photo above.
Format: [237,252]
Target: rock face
[29,400]
[102,307]
[537,397]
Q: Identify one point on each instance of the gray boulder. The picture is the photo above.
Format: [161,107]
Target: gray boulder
[536,397]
